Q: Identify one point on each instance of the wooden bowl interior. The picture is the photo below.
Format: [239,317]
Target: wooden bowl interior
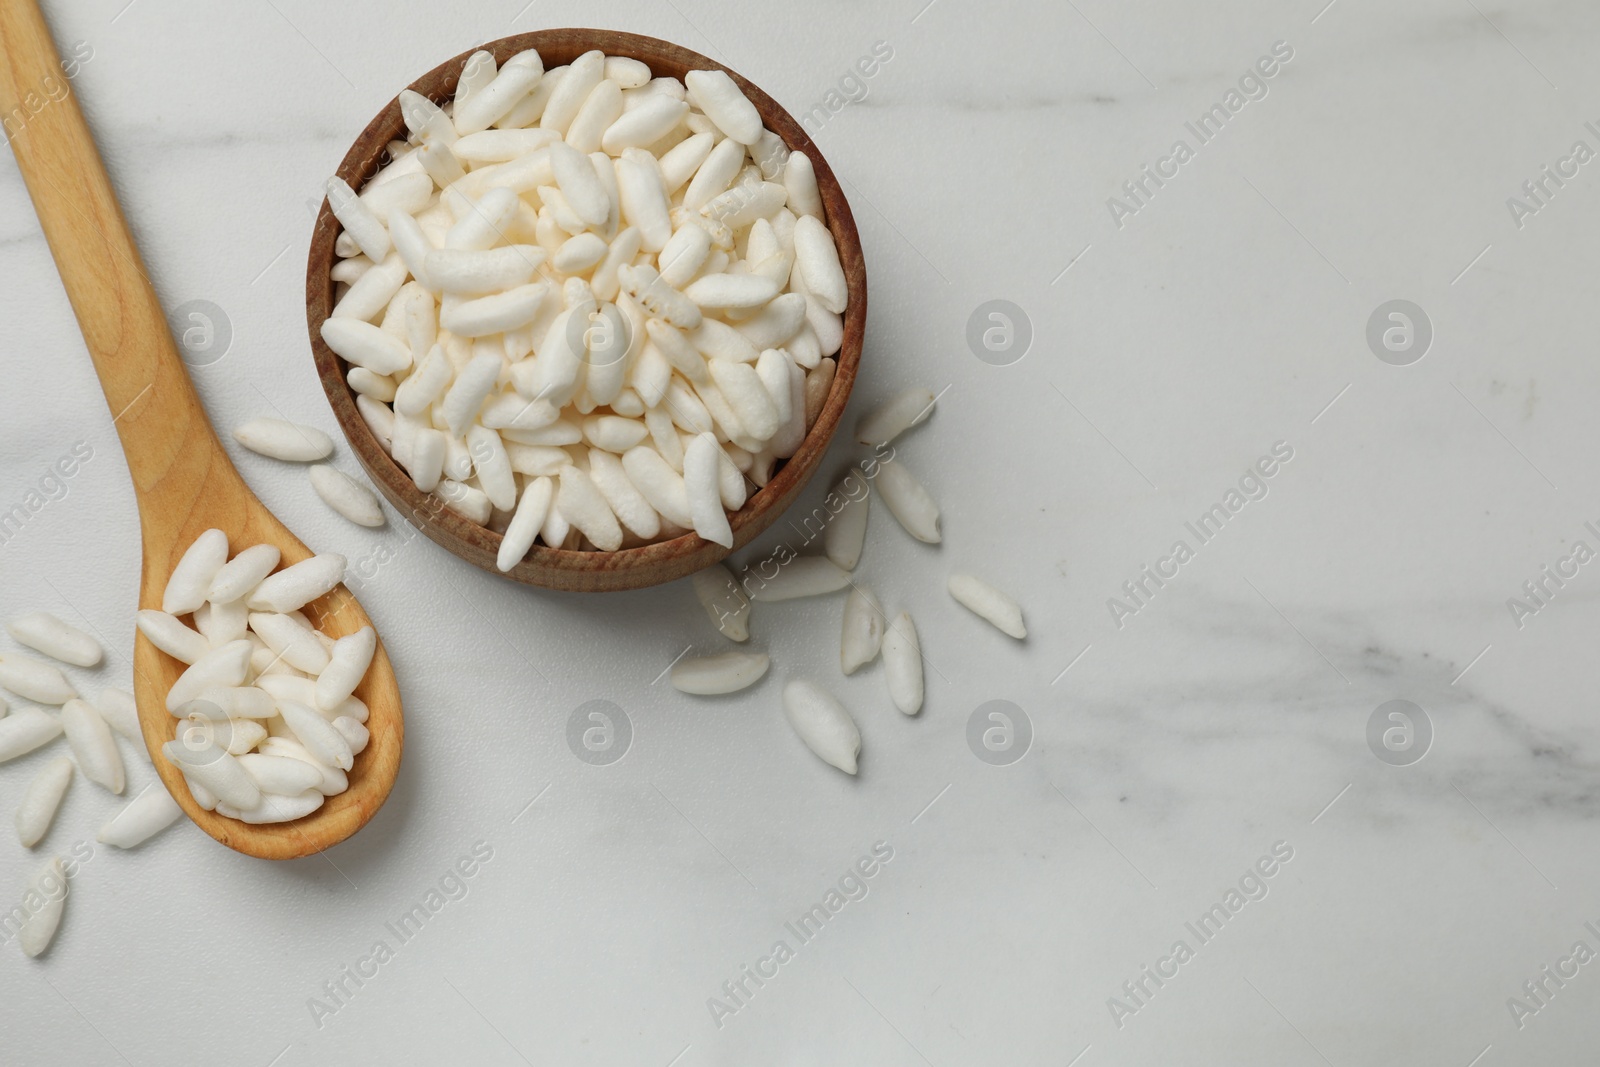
[627,568]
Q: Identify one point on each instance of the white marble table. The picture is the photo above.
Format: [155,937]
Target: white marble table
[1175,342]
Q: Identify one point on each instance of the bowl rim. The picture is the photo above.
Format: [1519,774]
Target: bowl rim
[568,569]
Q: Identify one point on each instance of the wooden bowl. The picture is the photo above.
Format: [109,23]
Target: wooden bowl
[627,568]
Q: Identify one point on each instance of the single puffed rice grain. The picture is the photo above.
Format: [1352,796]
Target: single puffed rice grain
[898,414]
[241,574]
[192,577]
[298,585]
[25,730]
[713,675]
[846,532]
[92,744]
[142,818]
[989,604]
[724,601]
[902,664]
[171,636]
[862,632]
[49,885]
[911,504]
[34,679]
[40,802]
[275,809]
[43,632]
[802,576]
[823,724]
[121,713]
[345,495]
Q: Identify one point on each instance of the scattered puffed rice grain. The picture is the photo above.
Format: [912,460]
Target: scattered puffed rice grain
[91,742]
[288,441]
[40,802]
[908,408]
[49,886]
[26,730]
[846,533]
[34,680]
[724,601]
[911,504]
[294,587]
[43,632]
[192,577]
[118,708]
[713,675]
[862,632]
[902,664]
[989,604]
[146,815]
[345,495]
[801,577]
[823,724]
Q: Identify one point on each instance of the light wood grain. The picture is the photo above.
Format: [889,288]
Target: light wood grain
[182,478]
[628,568]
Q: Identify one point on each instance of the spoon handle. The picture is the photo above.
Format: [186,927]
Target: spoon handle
[171,449]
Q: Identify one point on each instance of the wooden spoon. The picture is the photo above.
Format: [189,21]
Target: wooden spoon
[182,478]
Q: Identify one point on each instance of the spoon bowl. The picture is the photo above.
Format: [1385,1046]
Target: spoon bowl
[229,506]
[183,480]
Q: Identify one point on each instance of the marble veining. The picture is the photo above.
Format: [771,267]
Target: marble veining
[1230,713]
